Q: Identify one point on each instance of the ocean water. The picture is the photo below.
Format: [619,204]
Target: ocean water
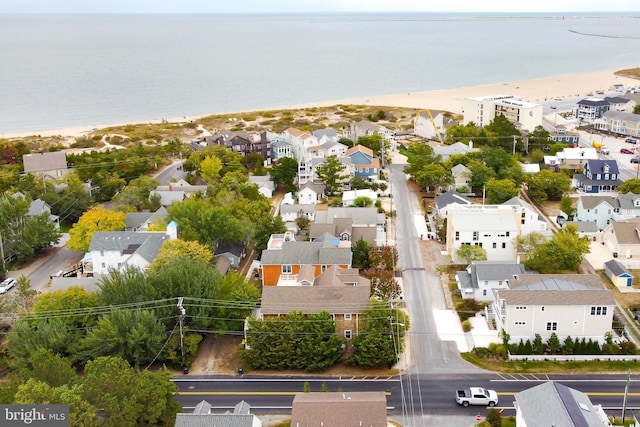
[60,71]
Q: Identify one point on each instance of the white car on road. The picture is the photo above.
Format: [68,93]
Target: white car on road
[7,284]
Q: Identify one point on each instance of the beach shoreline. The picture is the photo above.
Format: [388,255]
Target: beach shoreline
[540,90]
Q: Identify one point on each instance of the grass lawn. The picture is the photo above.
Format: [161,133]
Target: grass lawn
[548,367]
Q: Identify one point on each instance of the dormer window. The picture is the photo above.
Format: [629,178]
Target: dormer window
[606,168]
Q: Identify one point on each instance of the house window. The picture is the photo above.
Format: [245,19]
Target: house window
[598,311]
[504,245]
[521,307]
[347,316]
[520,323]
[323,268]
[552,326]
[287,269]
[507,234]
[457,235]
[475,235]
[542,308]
[103,265]
[347,334]
[101,253]
[495,245]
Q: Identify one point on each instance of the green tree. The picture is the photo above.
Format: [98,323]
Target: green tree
[134,335]
[210,168]
[566,206]
[331,172]
[361,249]
[127,397]
[50,368]
[294,341]
[375,143]
[502,133]
[630,186]
[501,190]
[72,201]
[380,341]
[136,196]
[564,252]
[538,138]
[537,344]
[178,248]
[96,219]
[433,176]
[553,343]
[548,185]
[285,172]
[480,174]
[40,232]
[465,133]
[302,221]
[493,417]
[363,202]
[471,253]
[568,345]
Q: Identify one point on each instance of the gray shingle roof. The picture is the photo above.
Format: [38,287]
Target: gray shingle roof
[147,245]
[451,197]
[554,404]
[496,270]
[300,253]
[340,409]
[591,202]
[616,267]
[626,232]
[307,209]
[551,289]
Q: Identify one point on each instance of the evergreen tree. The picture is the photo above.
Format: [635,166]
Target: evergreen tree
[528,348]
[537,344]
[553,343]
[568,345]
[521,347]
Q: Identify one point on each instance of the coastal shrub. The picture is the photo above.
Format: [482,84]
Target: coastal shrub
[249,119]
[129,128]
[494,418]
[268,115]
[467,308]
[500,352]
[466,326]
[481,352]
[236,129]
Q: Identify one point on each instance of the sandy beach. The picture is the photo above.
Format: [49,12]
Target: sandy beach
[535,90]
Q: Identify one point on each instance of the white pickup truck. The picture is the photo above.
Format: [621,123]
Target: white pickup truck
[476,396]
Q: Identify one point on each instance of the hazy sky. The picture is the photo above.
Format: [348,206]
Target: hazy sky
[279,6]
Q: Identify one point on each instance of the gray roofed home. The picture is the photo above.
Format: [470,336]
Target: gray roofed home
[52,164]
[291,212]
[481,277]
[339,409]
[618,273]
[202,417]
[119,249]
[554,404]
[450,198]
[234,251]
[135,221]
[300,253]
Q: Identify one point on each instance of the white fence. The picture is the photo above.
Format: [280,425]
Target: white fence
[574,357]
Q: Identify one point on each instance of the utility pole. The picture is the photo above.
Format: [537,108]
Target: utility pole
[626,391]
[182,313]
[4,264]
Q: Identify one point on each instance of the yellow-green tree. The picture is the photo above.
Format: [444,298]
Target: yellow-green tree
[95,219]
[210,168]
[181,248]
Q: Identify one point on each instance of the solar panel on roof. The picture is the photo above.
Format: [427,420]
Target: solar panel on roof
[570,404]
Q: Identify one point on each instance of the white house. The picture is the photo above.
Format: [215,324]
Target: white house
[623,238]
[265,184]
[571,158]
[290,212]
[311,193]
[461,178]
[349,197]
[554,404]
[492,227]
[596,208]
[300,141]
[576,305]
[628,206]
[445,151]
[530,220]
[118,250]
[326,135]
[429,129]
[481,277]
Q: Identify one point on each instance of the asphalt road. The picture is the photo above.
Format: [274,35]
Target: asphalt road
[431,394]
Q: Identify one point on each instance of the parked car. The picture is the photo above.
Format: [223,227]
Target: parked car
[476,396]
[631,140]
[7,284]
[635,159]
[626,151]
